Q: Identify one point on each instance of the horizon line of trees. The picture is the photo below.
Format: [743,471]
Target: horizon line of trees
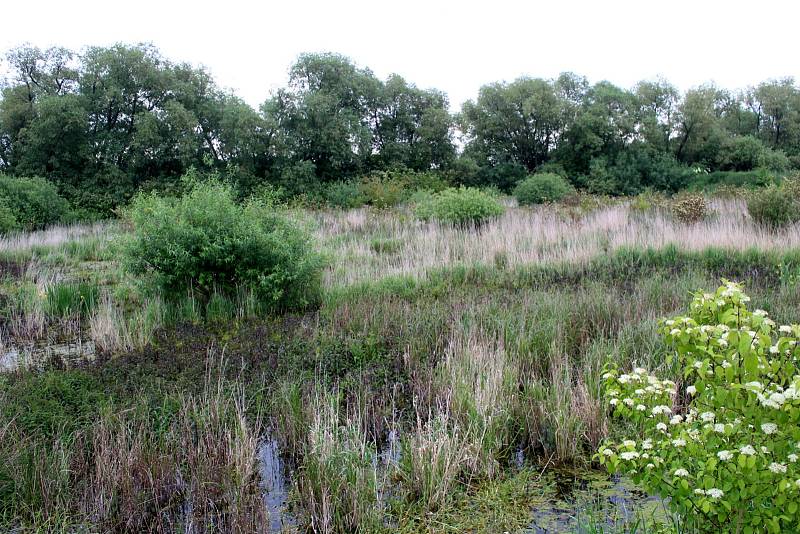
[109,121]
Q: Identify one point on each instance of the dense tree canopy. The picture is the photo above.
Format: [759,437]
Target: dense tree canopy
[108,121]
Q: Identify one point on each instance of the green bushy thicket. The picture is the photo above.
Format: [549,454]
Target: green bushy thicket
[423,181]
[382,191]
[8,217]
[344,195]
[717,179]
[541,188]
[207,241]
[747,152]
[33,202]
[634,171]
[775,205]
[464,205]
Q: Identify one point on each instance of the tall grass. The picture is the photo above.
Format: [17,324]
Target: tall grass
[478,381]
[189,465]
[71,298]
[434,457]
[337,482]
[524,237]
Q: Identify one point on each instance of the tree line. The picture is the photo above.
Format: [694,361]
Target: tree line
[108,121]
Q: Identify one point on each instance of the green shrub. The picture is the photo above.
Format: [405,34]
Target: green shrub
[270,194]
[465,205]
[207,241]
[503,176]
[774,206]
[542,187]
[743,153]
[381,191]
[423,181]
[299,178]
[721,449]
[8,219]
[649,201]
[35,202]
[344,195]
[714,180]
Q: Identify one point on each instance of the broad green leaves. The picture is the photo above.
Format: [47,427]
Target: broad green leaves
[725,448]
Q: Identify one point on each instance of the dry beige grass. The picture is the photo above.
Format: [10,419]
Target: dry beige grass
[524,236]
[53,236]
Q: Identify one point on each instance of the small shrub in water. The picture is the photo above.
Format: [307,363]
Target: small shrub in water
[207,241]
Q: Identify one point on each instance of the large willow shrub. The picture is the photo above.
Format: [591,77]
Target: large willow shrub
[724,446]
[207,241]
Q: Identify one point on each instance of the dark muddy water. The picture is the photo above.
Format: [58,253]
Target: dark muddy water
[572,499]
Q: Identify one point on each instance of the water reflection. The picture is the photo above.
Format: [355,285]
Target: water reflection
[575,498]
[275,483]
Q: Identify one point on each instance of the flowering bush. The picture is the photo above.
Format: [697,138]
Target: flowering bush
[690,208]
[724,448]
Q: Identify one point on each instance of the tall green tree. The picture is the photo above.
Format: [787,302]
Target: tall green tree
[519,122]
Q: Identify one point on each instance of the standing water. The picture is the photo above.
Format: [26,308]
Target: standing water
[577,500]
[275,485]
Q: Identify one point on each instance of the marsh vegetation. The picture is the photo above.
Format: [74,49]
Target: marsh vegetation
[330,315]
[445,378]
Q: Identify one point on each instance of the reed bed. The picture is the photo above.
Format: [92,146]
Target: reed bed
[528,236]
[55,236]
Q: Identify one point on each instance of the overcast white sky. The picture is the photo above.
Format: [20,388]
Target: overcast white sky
[455,46]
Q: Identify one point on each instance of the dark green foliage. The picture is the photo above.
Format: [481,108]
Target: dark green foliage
[111,121]
[713,180]
[35,202]
[382,190]
[742,154]
[344,195]
[300,178]
[463,205]
[541,188]
[503,176]
[635,170]
[422,181]
[207,241]
[51,403]
[774,206]
[8,218]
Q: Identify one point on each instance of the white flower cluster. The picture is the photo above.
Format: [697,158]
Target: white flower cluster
[743,408]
